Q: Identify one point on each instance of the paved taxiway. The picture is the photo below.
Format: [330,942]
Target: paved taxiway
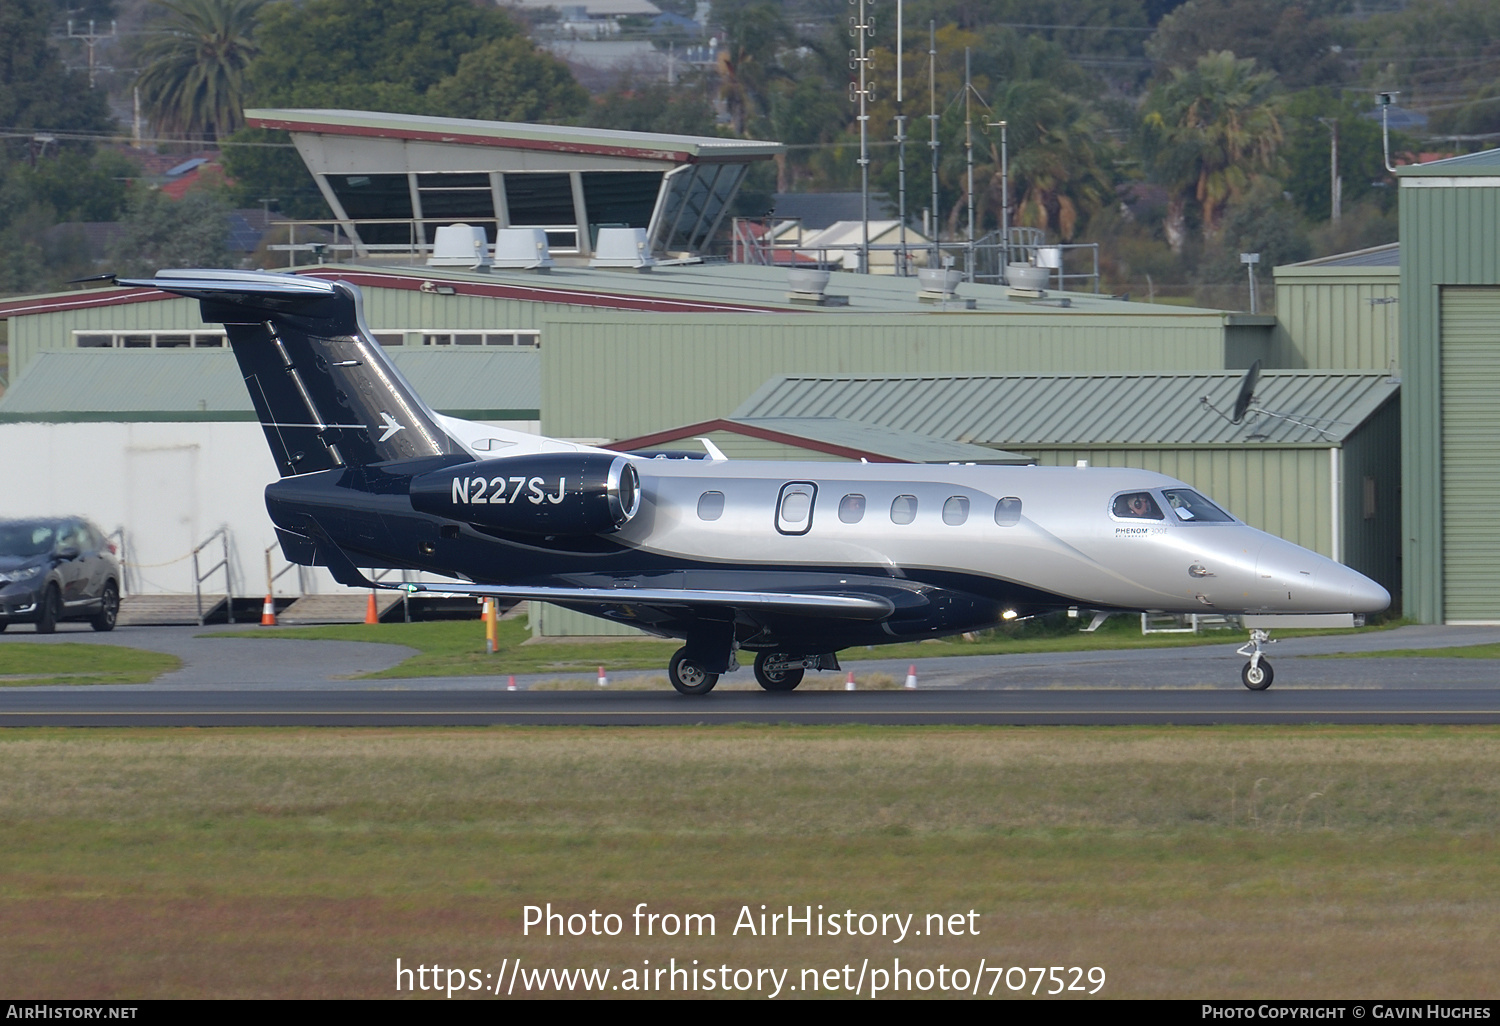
[282,681]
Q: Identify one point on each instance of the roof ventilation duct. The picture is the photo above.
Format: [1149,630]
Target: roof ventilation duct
[460,245]
[523,248]
[622,247]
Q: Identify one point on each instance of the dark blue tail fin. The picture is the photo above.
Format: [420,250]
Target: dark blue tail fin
[325,393]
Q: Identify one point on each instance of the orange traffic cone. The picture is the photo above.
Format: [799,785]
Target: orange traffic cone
[372,614]
[911,678]
[268,612]
[512,685]
[603,678]
[849,684]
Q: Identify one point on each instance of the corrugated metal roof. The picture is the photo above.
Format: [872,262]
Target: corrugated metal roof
[459,131]
[205,384]
[908,446]
[1027,410]
[1388,255]
[1485,162]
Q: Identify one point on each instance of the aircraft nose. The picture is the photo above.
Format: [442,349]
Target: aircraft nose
[1365,596]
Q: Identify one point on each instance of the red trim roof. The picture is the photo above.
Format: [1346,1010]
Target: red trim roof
[733,427]
[538,293]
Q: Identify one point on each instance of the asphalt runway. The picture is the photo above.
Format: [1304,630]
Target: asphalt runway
[277,681]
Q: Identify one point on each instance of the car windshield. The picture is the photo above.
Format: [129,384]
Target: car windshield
[23,539]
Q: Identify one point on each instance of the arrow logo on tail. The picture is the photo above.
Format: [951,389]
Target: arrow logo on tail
[391,426]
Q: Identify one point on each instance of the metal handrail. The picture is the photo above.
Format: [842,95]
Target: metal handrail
[272,578]
[199,577]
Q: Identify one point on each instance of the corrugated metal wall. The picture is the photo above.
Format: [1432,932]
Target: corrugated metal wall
[1287,492]
[1449,236]
[384,309]
[1336,318]
[1471,454]
[621,375]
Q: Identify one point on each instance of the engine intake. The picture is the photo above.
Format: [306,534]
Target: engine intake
[562,494]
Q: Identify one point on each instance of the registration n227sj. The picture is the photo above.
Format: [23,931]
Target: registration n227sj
[791,561]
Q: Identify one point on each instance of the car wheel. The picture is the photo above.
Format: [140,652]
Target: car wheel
[50,612]
[109,608]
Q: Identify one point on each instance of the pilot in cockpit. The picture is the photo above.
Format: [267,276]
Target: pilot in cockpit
[1137,506]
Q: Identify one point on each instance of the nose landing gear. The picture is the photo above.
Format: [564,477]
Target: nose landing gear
[1257,673]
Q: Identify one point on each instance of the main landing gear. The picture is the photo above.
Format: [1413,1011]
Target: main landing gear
[774,671]
[1257,673]
[688,676]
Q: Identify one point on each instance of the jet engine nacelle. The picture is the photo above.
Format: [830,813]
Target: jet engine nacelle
[552,494]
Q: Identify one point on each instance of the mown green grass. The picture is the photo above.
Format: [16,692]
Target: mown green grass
[28,665]
[453,648]
[1466,652]
[1246,862]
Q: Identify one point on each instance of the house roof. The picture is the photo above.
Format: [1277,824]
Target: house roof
[1309,408]
[1482,164]
[1388,255]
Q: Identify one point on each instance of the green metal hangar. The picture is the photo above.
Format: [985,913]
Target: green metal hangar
[1450,327]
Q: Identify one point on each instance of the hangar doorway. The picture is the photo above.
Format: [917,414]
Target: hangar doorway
[1470,353]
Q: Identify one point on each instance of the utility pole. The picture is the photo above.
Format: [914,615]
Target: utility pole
[859,58]
[932,121]
[969,159]
[1335,182]
[91,39]
[900,146]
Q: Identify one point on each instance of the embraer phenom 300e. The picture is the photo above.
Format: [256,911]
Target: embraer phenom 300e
[793,561]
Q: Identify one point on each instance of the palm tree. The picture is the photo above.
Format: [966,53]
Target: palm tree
[1209,130]
[193,81]
[1058,172]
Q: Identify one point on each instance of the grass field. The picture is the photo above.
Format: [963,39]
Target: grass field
[455,648]
[78,663]
[1186,862]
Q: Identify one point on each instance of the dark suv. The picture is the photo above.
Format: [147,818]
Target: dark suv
[57,569]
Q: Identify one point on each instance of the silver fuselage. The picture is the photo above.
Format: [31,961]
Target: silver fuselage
[1067,540]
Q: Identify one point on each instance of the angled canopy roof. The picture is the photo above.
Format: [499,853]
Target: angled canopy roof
[1315,407]
[676,149]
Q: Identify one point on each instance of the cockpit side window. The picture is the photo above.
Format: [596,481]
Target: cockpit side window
[1187,505]
[1137,506]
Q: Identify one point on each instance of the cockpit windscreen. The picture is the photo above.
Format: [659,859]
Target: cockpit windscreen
[1191,507]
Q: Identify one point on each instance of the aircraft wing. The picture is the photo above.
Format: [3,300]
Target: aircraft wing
[839,606]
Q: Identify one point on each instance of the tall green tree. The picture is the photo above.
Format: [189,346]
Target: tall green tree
[510,80]
[1209,130]
[37,93]
[754,35]
[1283,36]
[193,84]
[161,232]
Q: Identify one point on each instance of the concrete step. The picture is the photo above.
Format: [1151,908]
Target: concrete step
[158,610]
[310,609]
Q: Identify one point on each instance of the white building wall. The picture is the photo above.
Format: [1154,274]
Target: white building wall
[169,486]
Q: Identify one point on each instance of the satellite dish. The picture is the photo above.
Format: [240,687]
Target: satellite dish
[1247,393]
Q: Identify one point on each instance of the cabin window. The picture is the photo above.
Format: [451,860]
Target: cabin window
[794,508]
[1008,511]
[904,509]
[1190,507]
[852,508]
[710,505]
[1137,506]
[956,510]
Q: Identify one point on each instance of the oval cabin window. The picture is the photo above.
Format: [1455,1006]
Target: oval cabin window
[1008,511]
[904,509]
